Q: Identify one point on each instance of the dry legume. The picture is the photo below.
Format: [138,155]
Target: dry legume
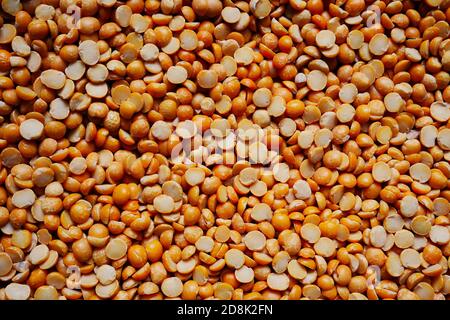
[225,150]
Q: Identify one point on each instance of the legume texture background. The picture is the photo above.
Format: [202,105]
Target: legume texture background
[206,149]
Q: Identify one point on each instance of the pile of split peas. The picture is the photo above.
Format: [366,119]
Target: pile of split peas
[317,159]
